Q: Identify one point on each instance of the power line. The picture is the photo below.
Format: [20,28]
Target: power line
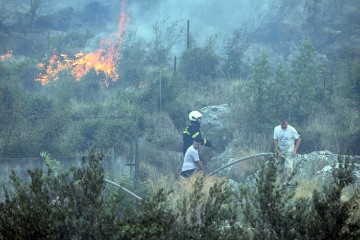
[68,117]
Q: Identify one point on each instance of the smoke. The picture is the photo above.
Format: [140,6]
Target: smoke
[207,17]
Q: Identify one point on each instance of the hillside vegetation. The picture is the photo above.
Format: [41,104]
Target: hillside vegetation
[77,204]
[139,109]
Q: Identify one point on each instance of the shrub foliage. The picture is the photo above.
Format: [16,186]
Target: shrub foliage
[77,205]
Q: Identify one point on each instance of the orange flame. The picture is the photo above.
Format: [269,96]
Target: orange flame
[6,56]
[103,60]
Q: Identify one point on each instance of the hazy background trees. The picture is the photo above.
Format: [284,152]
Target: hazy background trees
[276,68]
[270,59]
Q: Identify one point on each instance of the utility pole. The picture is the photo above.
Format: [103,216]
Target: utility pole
[160,90]
[133,164]
[188,35]
[174,65]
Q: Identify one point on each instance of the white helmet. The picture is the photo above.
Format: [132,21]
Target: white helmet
[194,115]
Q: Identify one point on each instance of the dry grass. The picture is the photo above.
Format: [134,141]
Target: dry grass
[240,171]
[148,172]
[183,188]
[355,216]
[322,124]
[252,143]
[306,188]
[154,184]
[220,91]
[160,131]
[315,166]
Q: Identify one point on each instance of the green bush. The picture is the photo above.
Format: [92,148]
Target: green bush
[234,65]
[271,212]
[13,99]
[77,205]
[197,64]
[160,93]
[306,88]
[132,62]
[67,42]
[70,205]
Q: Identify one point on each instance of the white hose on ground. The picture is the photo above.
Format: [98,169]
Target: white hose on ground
[212,173]
[126,190]
[243,159]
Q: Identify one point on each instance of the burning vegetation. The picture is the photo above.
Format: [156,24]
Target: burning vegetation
[104,60]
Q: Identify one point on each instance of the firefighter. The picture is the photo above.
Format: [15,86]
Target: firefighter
[193,131]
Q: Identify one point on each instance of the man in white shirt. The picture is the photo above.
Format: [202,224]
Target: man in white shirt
[192,161]
[286,141]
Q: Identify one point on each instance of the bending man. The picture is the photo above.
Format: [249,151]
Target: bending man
[192,161]
[286,141]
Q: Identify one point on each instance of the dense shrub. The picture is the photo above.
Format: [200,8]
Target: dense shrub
[69,205]
[13,99]
[272,213]
[198,64]
[234,65]
[75,204]
[66,42]
[132,62]
[306,88]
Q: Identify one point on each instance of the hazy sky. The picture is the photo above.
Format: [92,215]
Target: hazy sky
[206,16]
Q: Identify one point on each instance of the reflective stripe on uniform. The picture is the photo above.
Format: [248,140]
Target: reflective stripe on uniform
[186,131]
[195,135]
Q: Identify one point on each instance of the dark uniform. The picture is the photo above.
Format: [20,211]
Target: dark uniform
[191,132]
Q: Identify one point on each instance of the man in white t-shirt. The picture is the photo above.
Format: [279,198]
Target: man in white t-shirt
[286,141]
[192,161]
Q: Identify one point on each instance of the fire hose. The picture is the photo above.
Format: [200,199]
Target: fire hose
[125,189]
[210,174]
[243,159]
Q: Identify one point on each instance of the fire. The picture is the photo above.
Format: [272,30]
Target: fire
[6,56]
[103,60]
[98,61]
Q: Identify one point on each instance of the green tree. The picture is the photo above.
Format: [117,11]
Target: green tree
[12,117]
[257,95]
[272,212]
[352,85]
[306,89]
[165,37]
[331,217]
[267,209]
[235,47]
[71,205]
[279,98]
[194,217]
[197,64]
[33,12]
[76,205]
[5,12]
[132,62]
[314,15]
